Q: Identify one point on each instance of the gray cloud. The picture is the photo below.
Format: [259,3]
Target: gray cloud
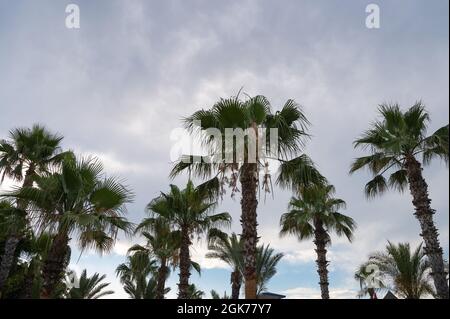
[118,86]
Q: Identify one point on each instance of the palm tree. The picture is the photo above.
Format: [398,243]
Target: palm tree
[189,212]
[27,153]
[137,275]
[163,243]
[229,249]
[314,214]
[194,293]
[35,250]
[77,201]
[243,162]
[89,287]
[368,283]
[215,295]
[408,271]
[395,143]
[266,263]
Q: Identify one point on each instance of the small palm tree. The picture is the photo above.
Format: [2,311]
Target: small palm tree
[189,212]
[229,249]
[27,153]
[89,287]
[368,283]
[215,295]
[137,275]
[314,214]
[194,293]
[395,143]
[35,250]
[78,201]
[163,243]
[266,263]
[256,120]
[408,271]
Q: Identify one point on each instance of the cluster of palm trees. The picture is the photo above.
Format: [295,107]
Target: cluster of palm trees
[64,199]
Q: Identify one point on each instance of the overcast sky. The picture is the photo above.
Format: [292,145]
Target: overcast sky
[118,86]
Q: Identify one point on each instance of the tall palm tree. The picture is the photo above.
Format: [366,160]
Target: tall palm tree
[189,212]
[77,201]
[266,263]
[395,143]
[89,287]
[243,162]
[27,153]
[408,271]
[314,214]
[163,243]
[229,249]
[137,275]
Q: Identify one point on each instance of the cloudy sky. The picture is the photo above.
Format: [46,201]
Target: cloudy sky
[118,86]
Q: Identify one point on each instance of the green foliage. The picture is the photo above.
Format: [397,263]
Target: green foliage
[89,287]
[402,270]
[393,138]
[314,204]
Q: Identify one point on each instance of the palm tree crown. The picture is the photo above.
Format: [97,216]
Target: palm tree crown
[395,138]
[89,287]
[29,149]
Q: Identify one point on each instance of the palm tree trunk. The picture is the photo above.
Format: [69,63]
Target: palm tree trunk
[54,265]
[236,282]
[185,264]
[424,213]
[162,276]
[249,204]
[14,238]
[321,241]
[7,259]
[28,286]
[372,294]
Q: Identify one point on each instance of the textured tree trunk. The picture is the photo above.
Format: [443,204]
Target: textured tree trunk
[424,213]
[15,237]
[249,204]
[28,287]
[7,259]
[185,264]
[321,241]
[54,265]
[372,294]
[236,282]
[162,276]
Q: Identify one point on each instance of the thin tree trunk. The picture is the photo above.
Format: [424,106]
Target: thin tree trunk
[249,223]
[236,282]
[7,259]
[14,238]
[162,276]
[372,294]
[424,213]
[321,241]
[185,264]
[29,282]
[54,265]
